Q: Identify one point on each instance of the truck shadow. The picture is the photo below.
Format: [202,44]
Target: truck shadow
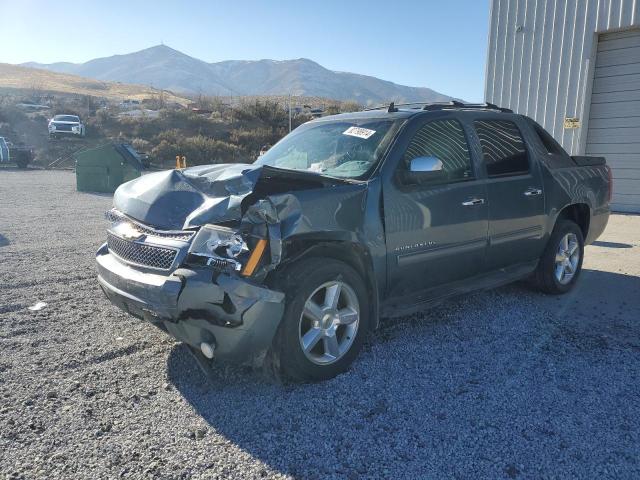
[96,194]
[452,383]
[599,243]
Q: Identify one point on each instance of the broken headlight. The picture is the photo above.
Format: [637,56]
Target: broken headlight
[222,247]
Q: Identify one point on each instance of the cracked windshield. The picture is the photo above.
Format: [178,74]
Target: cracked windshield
[337,149]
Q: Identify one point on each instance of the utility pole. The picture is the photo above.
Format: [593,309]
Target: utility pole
[289,112]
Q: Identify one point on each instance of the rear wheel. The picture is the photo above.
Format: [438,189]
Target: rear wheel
[561,262]
[325,321]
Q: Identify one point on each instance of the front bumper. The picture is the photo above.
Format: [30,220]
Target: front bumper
[196,305]
[77,134]
[73,131]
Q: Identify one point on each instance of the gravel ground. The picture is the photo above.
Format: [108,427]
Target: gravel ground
[502,384]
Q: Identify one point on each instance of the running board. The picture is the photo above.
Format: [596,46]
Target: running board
[401,306]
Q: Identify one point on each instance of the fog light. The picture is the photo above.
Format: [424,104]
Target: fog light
[207,349]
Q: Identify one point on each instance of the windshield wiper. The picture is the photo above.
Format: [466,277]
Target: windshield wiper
[307,173]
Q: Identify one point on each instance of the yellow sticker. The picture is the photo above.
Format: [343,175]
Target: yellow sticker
[571,122]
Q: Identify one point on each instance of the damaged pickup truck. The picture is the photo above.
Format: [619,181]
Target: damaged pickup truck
[348,219]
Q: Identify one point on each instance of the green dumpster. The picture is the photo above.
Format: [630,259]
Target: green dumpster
[105,168]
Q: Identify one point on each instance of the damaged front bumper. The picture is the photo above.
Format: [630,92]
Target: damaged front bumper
[196,305]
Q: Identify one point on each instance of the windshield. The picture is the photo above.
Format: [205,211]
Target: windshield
[66,118]
[346,148]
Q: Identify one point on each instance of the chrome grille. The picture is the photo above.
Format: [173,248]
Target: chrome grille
[114,216]
[149,256]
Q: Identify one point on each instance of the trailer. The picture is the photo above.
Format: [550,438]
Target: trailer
[19,155]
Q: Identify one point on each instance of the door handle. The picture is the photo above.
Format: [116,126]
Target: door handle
[473,201]
[532,192]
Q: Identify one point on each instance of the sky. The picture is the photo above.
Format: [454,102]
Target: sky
[439,44]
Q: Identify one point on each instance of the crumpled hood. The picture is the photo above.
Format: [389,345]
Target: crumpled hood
[180,199]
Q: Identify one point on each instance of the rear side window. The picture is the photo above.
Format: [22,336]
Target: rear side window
[556,156]
[547,140]
[503,148]
[445,140]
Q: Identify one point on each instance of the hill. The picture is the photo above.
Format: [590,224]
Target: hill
[166,68]
[16,77]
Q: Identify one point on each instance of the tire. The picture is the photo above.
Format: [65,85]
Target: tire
[549,276]
[311,280]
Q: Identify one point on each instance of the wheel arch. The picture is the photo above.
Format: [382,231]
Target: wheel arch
[579,213]
[342,249]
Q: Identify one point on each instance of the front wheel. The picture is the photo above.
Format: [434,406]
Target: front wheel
[325,321]
[561,262]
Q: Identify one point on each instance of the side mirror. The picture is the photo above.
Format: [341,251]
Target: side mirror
[425,165]
[425,169]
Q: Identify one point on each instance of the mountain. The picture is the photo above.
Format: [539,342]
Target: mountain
[160,67]
[166,68]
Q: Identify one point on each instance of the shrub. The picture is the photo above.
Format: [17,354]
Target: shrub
[199,149]
[347,107]
[266,111]
[333,109]
[140,144]
[251,140]
[11,114]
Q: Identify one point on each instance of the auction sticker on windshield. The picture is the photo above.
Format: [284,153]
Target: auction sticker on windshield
[359,132]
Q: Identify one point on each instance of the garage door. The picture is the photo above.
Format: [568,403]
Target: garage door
[614,119]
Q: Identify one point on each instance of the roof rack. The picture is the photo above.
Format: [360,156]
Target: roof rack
[466,106]
[393,107]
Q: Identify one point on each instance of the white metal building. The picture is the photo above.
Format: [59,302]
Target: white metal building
[574,66]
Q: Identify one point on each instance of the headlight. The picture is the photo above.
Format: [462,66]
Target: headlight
[224,242]
[219,244]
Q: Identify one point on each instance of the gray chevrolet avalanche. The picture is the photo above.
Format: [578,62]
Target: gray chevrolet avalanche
[347,219]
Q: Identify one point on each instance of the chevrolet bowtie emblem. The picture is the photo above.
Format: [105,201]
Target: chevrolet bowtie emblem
[127,232]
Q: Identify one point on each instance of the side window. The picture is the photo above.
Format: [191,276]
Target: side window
[445,140]
[503,148]
[556,156]
[546,139]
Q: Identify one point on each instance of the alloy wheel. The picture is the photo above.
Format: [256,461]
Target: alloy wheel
[567,258]
[329,322]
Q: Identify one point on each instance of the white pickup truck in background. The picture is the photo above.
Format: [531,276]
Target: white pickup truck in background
[66,125]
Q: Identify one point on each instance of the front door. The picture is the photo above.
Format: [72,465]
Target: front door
[515,195]
[436,228]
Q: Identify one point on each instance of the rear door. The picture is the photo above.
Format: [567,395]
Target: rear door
[515,193]
[436,230]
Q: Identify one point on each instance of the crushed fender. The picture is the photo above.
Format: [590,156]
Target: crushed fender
[258,200]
